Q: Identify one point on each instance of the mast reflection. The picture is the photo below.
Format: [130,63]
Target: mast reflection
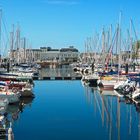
[116,114]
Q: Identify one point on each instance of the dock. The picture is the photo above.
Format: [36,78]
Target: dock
[57,78]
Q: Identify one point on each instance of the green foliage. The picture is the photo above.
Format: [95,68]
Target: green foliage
[135,51]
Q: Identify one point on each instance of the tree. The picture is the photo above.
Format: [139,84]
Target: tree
[135,51]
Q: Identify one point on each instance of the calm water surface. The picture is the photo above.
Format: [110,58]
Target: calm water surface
[66,110]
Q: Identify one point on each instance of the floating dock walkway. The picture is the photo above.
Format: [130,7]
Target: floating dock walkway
[57,78]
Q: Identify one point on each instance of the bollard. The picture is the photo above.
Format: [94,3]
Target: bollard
[10,133]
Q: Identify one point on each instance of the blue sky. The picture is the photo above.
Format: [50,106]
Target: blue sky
[61,23]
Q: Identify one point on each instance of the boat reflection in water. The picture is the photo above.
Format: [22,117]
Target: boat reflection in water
[14,110]
[119,118]
[11,114]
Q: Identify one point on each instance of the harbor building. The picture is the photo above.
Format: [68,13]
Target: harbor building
[69,54]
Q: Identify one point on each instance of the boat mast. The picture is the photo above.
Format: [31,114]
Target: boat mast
[0,36]
[85,54]
[24,49]
[131,47]
[11,46]
[103,48]
[119,47]
[88,50]
[110,43]
[18,44]
[136,47]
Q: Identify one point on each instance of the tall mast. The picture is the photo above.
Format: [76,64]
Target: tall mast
[103,48]
[119,47]
[85,54]
[24,49]
[0,33]
[110,43]
[131,47]
[18,44]
[11,46]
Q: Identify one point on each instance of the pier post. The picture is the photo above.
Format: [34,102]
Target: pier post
[10,133]
[126,68]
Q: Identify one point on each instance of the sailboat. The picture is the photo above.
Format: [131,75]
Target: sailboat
[108,82]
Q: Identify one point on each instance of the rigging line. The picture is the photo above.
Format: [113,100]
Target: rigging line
[14,37]
[124,43]
[128,40]
[135,49]
[111,47]
[4,35]
[99,42]
[6,32]
[5,48]
[98,46]
[134,30]
[95,41]
[113,41]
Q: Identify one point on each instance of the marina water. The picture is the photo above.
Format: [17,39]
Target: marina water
[66,110]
